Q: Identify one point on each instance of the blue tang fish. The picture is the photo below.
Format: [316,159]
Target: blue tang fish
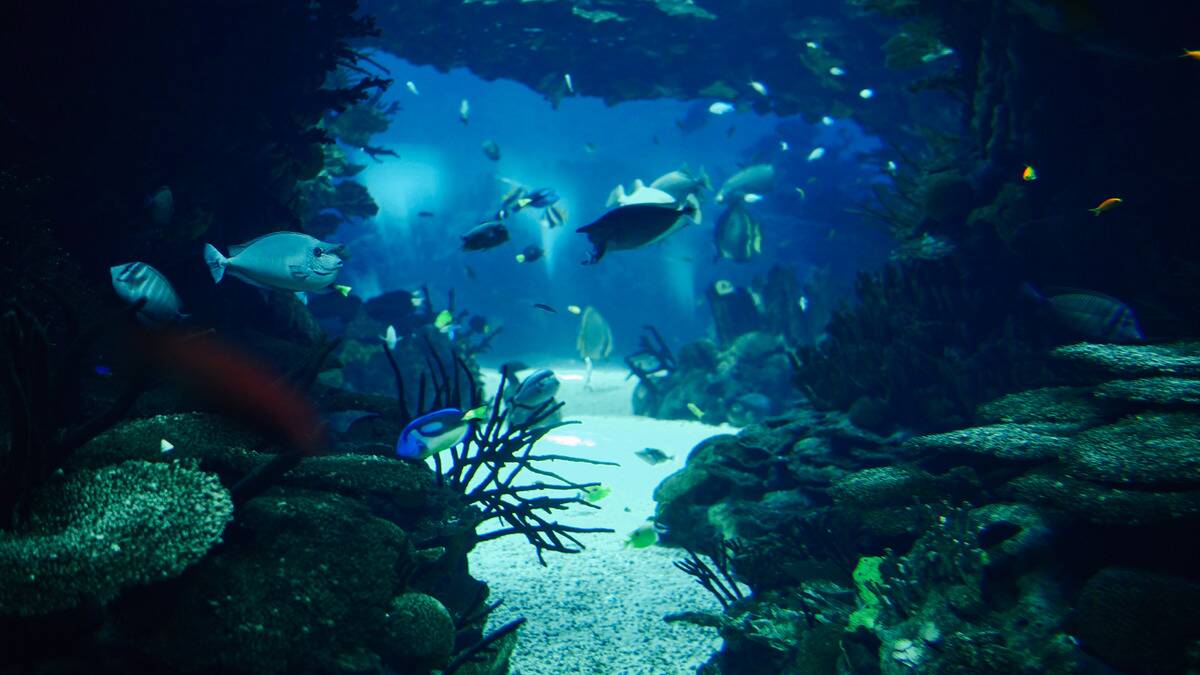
[435,432]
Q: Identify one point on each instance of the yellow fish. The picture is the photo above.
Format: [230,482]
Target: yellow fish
[642,537]
[1191,53]
[695,410]
[595,493]
[1029,174]
[574,309]
[1106,205]
[443,319]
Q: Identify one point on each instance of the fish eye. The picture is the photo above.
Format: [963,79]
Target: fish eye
[318,252]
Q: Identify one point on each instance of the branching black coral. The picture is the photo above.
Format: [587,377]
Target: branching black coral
[718,578]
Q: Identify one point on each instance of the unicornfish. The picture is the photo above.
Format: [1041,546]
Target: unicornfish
[289,261]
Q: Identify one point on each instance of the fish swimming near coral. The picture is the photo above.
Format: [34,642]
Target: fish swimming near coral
[135,281]
[595,341]
[435,432]
[389,337]
[529,397]
[757,178]
[1092,315]
[594,493]
[531,253]
[289,261]
[643,537]
[633,226]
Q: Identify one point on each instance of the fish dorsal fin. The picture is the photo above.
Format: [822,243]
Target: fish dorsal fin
[1051,291]
[638,184]
[235,249]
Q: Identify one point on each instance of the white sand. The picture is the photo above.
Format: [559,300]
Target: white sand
[600,611]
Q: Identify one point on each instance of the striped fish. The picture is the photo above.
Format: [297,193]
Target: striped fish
[136,280]
[1092,315]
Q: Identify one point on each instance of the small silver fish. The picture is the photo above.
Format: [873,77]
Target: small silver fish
[412,86]
[720,108]
[570,84]
[289,261]
[464,111]
[653,456]
[817,153]
[389,337]
[136,280]
[759,87]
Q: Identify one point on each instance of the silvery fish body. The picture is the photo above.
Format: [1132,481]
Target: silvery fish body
[136,280]
[289,261]
[533,392]
[681,183]
[757,178]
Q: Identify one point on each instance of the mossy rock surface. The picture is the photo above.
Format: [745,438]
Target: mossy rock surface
[1150,450]
[1133,361]
[1167,392]
[1007,441]
[1058,405]
[420,634]
[301,585]
[1103,504]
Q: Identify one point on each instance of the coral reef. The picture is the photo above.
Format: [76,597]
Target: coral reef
[1008,547]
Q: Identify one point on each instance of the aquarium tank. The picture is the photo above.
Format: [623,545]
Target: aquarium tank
[600,337]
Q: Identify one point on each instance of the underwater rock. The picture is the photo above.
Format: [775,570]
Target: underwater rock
[750,519]
[1149,450]
[899,485]
[1134,361]
[734,311]
[1102,504]
[98,531]
[947,198]
[870,413]
[420,634]
[284,594]
[1159,392]
[1058,405]
[1008,442]
[193,434]
[1015,536]
[1139,621]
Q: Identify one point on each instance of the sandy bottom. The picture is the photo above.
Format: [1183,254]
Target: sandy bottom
[600,611]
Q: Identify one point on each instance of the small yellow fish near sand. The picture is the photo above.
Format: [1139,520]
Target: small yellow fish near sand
[1106,205]
[642,537]
[594,493]
[1028,174]
[759,87]
[695,410]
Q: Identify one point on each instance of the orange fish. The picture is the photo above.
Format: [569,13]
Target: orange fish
[1191,53]
[1029,173]
[1106,205]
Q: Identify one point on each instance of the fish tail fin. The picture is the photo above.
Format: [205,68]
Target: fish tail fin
[705,180]
[1096,211]
[343,289]
[692,209]
[216,262]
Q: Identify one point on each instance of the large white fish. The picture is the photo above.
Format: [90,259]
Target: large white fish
[289,261]
[136,280]
[758,178]
[641,195]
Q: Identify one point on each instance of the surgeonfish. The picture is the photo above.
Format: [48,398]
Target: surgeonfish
[435,432]
[595,341]
[531,253]
[1106,205]
[161,205]
[738,236]
[542,198]
[1091,315]
[653,456]
[633,226]
[641,195]
[536,390]
[757,178]
[136,280]
[288,261]
[682,182]
[485,236]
